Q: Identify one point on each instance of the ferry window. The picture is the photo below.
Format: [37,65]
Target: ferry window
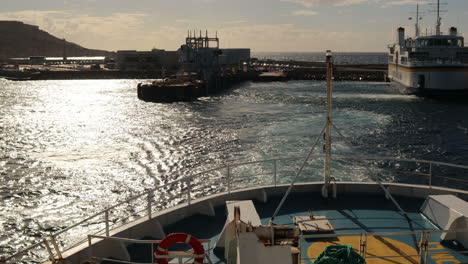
[453,42]
[390,58]
[440,42]
[419,56]
[462,56]
[423,43]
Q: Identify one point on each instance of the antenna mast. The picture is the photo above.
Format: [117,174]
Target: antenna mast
[418,13]
[438,11]
[417,20]
[439,20]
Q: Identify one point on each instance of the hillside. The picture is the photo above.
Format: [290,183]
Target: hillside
[23,40]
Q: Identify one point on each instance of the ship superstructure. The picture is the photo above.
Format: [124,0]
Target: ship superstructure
[431,64]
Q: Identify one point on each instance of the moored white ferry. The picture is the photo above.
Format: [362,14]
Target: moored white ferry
[432,65]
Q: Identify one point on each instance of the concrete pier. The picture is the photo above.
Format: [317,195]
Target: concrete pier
[253,71]
[81,75]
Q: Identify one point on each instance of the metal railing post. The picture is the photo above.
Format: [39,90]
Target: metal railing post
[49,250]
[189,191]
[229,179]
[149,199]
[274,172]
[430,175]
[300,250]
[90,248]
[57,250]
[364,253]
[426,246]
[152,253]
[106,216]
[420,247]
[423,248]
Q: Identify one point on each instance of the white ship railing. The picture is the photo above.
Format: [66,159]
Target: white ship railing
[422,239]
[437,62]
[236,176]
[182,257]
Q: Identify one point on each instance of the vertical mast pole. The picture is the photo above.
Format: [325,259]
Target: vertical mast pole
[438,19]
[417,20]
[328,140]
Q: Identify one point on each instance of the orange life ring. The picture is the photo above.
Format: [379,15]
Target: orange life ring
[180,238]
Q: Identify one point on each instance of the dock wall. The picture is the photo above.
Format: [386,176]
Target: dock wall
[80,75]
[297,71]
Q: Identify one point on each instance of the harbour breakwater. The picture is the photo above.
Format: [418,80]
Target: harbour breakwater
[80,75]
[303,70]
[183,89]
[254,70]
[176,89]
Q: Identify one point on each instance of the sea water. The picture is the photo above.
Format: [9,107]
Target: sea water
[71,148]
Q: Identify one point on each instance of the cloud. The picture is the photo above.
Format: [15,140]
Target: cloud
[231,22]
[304,13]
[384,3]
[311,3]
[120,31]
[289,37]
[102,32]
[186,21]
[403,2]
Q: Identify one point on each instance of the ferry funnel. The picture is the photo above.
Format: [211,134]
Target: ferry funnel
[453,31]
[401,36]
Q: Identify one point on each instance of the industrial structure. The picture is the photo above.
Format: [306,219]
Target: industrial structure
[156,59]
[204,69]
[201,54]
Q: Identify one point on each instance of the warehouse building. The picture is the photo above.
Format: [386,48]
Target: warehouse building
[156,59]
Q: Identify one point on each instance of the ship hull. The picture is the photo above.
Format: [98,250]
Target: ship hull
[450,82]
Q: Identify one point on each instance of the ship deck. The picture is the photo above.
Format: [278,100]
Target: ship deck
[350,215]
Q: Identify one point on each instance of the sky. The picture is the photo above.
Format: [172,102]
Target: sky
[262,25]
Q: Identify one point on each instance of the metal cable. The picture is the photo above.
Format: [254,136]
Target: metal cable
[297,175]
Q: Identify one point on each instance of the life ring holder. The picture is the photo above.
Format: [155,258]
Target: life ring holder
[171,239]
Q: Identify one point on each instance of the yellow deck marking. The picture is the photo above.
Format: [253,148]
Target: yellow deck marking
[376,246]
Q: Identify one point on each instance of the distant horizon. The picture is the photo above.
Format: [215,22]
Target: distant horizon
[336,52]
[261,25]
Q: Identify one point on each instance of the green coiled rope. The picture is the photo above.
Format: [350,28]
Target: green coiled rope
[339,254]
